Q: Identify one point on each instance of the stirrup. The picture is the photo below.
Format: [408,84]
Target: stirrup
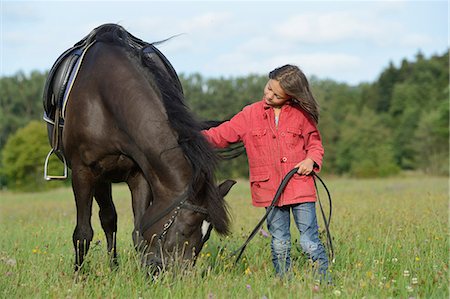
[54,177]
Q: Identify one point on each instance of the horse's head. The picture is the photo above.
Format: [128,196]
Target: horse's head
[182,232]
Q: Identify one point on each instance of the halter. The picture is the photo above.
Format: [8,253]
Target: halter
[176,206]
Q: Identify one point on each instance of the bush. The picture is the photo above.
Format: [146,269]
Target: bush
[23,159]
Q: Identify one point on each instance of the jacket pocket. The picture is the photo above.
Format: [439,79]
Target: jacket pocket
[293,136]
[303,185]
[260,187]
[258,137]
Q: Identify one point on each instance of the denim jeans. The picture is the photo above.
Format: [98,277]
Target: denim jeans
[278,224]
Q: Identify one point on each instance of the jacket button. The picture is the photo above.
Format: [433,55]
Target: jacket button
[282,134]
[274,136]
[284,160]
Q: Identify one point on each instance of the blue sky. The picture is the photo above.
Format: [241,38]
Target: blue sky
[347,41]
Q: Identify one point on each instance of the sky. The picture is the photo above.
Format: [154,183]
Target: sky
[346,41]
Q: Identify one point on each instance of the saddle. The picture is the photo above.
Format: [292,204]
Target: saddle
[63,74]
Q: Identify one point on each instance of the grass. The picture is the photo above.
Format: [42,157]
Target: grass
[390,236]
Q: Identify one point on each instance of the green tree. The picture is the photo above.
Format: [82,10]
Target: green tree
[23,159]
[365,148]
[20,102]
[431,141]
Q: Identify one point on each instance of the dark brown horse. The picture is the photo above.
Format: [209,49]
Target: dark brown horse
[125,121]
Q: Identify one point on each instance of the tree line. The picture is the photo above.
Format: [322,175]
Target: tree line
[398,122]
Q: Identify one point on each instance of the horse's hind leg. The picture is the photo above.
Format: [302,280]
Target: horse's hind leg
[108,217]
[83,188]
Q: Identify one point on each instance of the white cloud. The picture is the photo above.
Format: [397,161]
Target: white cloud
[207,22]
[326,64]
[324,27]
[339,26]
[415,40]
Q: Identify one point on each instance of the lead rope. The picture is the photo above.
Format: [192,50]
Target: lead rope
[272,205]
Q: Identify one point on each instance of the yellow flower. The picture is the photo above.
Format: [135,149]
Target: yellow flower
[248,271]
[417,258]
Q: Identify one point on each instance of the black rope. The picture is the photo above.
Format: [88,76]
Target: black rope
[272,205]
[268,210]
[327,223]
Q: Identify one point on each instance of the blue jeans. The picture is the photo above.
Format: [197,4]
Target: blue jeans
[278,224]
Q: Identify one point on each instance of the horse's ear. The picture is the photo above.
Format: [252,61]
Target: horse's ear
[225,187]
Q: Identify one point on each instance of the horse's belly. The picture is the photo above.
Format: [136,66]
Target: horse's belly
[116,168]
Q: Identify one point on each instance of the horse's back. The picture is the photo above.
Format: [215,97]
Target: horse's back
[115,114]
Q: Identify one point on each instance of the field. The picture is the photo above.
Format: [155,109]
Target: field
[390,237]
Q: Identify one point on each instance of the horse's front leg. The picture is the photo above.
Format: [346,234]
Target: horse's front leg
[108,217]
[141,198]
[83,189]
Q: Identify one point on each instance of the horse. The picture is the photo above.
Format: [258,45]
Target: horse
[125,120]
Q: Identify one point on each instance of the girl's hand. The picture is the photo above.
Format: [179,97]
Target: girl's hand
[305,167]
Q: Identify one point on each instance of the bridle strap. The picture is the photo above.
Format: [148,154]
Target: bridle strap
[272,205]
[180,202]
[268,210]
[194,208]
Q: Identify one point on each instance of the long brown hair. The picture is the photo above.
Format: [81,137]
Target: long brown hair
[295,84]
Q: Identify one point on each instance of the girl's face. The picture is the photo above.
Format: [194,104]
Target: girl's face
[274,95]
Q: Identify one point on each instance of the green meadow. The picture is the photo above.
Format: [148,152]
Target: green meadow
[391,240]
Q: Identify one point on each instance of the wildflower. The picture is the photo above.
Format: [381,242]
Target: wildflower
[414,280]
[337,293]
[316,288]
[376,262]
[248,271]
[406,273]
[409,289]
[264,233]
[11,262]
[394,260]
[369,274]
[248,287]
[210,296]
[417,258]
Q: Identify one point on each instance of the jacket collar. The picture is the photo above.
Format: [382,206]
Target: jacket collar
[288,104]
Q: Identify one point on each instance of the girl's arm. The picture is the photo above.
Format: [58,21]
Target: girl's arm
[314,149]
[229,132]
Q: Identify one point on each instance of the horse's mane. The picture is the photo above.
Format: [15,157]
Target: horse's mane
[200,154]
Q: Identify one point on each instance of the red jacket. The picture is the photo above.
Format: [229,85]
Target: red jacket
[273,151]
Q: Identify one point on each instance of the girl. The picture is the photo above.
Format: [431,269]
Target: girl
[280,133]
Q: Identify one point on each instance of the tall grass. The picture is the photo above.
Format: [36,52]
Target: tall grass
[390,238]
